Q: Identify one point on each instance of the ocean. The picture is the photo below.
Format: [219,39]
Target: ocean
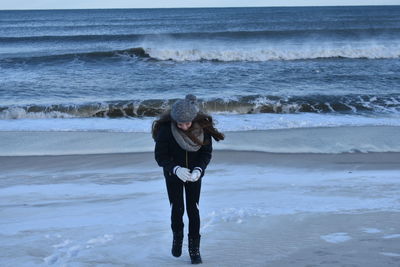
[253,69]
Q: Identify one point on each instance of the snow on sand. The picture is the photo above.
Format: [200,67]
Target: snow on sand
[257,209]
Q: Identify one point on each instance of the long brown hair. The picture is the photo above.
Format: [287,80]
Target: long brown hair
[205,121]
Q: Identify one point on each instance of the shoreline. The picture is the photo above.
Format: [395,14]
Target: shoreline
[329,140]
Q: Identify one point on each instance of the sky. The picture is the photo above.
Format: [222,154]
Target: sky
[78,4]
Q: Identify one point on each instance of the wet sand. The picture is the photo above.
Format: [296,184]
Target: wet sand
[342,161]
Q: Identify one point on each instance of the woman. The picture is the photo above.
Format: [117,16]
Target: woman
[183,148]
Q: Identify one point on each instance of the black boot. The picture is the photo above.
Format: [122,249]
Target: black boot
[177,244]
[194,250]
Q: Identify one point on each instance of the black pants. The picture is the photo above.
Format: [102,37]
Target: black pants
[175,189]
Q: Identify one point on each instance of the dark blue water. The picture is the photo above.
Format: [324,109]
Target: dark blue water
[133,62]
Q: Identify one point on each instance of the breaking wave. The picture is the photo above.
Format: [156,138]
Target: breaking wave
[253,104]
[300,52]
[223,54]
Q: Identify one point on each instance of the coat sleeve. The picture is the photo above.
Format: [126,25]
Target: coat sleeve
[205,153]
[161,152]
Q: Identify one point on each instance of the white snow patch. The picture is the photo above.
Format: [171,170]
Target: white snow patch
[100,240]
[391,236]
[390,254]
[63,244]
[371,230]
[336,238]
[51,259]
[73,251]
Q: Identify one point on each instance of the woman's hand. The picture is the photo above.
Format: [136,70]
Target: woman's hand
[196,173]
[182,173]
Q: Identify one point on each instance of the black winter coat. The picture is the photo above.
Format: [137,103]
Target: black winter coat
[169,154]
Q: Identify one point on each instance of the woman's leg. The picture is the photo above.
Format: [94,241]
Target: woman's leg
[192,192]
[175,195]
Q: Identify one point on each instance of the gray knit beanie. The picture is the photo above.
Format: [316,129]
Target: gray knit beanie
[185,110]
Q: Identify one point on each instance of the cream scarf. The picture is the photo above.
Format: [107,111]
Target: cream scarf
[184,141]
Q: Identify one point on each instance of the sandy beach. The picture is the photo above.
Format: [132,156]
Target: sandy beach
[258,209]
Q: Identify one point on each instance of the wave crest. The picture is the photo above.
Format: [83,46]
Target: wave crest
[136,52]
[276,53]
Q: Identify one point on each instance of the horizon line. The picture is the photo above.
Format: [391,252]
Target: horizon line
[199,7]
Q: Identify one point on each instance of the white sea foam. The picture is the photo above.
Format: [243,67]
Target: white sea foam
[278,133]
[266,52]
[20,113]
[301,140]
